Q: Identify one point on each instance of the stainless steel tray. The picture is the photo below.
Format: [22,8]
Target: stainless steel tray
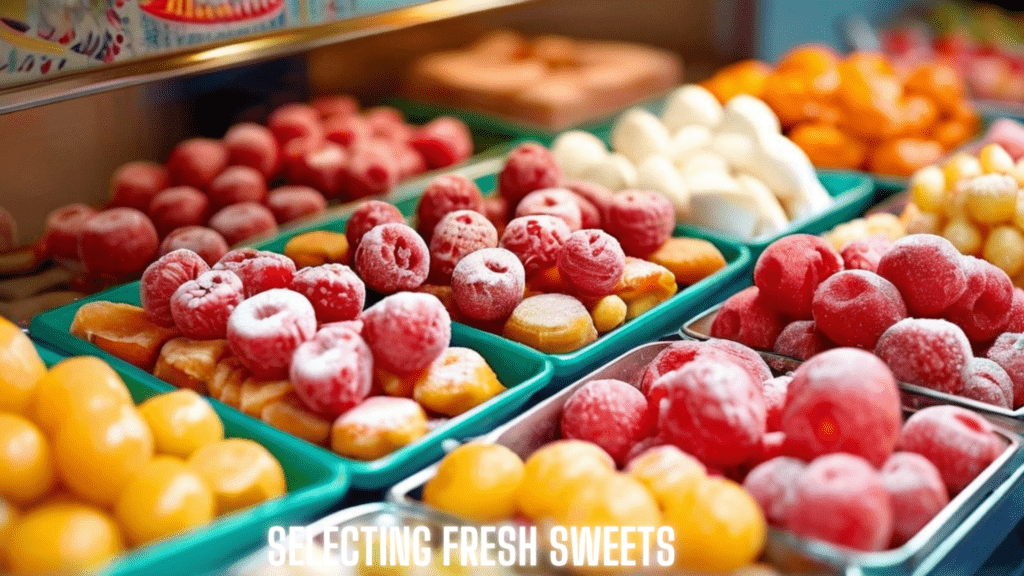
[788,552]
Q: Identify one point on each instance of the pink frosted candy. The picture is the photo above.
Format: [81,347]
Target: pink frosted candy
[854,308]
[488,284]
[134,184]
[253,145]
[595,195]
[556,202]
[916,492]
[773,485]
[801,340]
[201,307]
[118,243]
[407,331]
[446,194]
[927,270]
[774,392]
[983,311]
[392,257]
[368,216]
[840,499]
[334,290]
[926,352]
[240,222]
[387,122]
[641,221]
[842,400]
[178,207]
[609,413]
[237,184]
[789,271]
[591,262]
[536,240]
[443,141]
[372,169]
[319,165]
[747,317]
[1008,352]
[196,162]
[259,270]
[743,356]
[63,227]
[1016,312]
[674,357]
[339,105]
[527,168]
[290,203]
[865,253]
[958,442]
[293,120]
[985,381]
[347,130]
[773,445]
[457,235]
[206,242]
[333,371]
[163,277]
[265,330]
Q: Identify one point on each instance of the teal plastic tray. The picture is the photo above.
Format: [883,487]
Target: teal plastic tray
[315,484]
[523,371]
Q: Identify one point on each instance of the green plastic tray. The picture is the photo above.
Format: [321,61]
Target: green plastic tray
[523,371]
[315,485]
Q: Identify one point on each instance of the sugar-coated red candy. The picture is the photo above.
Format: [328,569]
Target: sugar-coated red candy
[259,270]
[928,271]
[774,391]
[407,331]
[206,242]
[134,184]
[591,262]
[536,240]
[527,168]
[865,253]
[347,131]
[789,271]
[392,257]
[196,162]
[242,221]
[265,329]
[916,492]
[178,207]
[773,445]
[802,340]
[410,163]
[743,356]
[773,484]
[334,290]
[609,413]
[496,209]
[322,167]
[593,194]
[388,123]
[842,400]
[1016,314]
[747,317]
[340,105]
[840,499]
[556,202]
[446,194]
[63,227]
[488,284]
[985,381]
[457,235]
[678,354]
[1008,352]
[237,184]
[959,442]
[333,371]
[926,352]
[201,307]
[119,242]
[294,120]
[854,308]
[163,277]
[250,144]
[368,216]
[641,221]
[983,311]
[293,153]
[371,170]
[711,409]
[289,203]
[443,141]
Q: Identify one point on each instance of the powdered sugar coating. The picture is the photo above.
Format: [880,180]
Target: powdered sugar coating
[594,194]
[293,120]
[118,242]
[983,311]
[392,257]
[334,290]
[536,240]
[372,169]
[591,262]
[916,492]
[743,356]
[178,207]
[609,413]
[319,165]
[63,227]
[265,330]
[985,381]
[773,485]
[333,371]
[1016,314]
[163,277]
[488,284]
[926,352]
[290,203]
[958,442]
[237,184]
[206,242]
[557,202]
[443,141]
[1008,352]
[407,331]
[746,317]
[801,340]
[457,235]
[527,168]
[368,216]
[201,307]
[927,270]
[774,391]
[855,307]
[253,145]
[789,271]
[552,323]
[381,413]
[242,221]
[641,221]
[196,162]
[446,194]
[134,184]
[259,270]
[865,253]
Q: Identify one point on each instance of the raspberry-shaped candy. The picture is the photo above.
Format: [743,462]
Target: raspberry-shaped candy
[197,162]
[446,194]
[840,499]
[368,216]
[331,106]
[407,331]
[119,242]
[527,168]
[347,131]
[985,381]
[1008,352]
[333,371]
[591,262]
[789,271]
[983,311]
[443,141]
[178,207]
[865,253]
[290,203]
[594,195]
[63,226]
[959,442]
[916,492]
[265,330]
[250,144]
[801,340]
[556,202]
[641,221]
[842,400]
[392,257]
[536,240]
[742,356]
[334,290]
[747,318]
[609,413]
[134,184]
[259,270]
[293,120]
[711,409]
[488,284]
[775,391]
[206,242]
[240,222]
[928,271]
[773,484]
[854,308]
[201,307]
[1016,312]
[237,184]
[372,169]
[162,279]
[319,165]
[926,352]
[457,235]
[678,354]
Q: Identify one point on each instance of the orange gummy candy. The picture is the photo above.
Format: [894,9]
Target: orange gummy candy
[189,363]
[291,415]
[456,382]
[318,247]
[689,259]
[122,330]
[644,285]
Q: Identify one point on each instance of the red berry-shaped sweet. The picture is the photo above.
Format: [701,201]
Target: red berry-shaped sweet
[409,161]
[1008,353]
[289,203]
[774,392]
[163,278]
[347,131]
[529,167]
[320,166]
[333,371]
[678,354]
[388,123]
[253,145]
[294,152]
[178,207]
[916,492]
[854,308]
[983,311]
[536,241]
[259,270]
[335,291]
[959,442]
[746,317]
[136,183]
[556,202]
[293,121]
[244,221]
[743,356]
[330,106]
[926,352]
[985,381]
[443,141]
[457,235]
[206,242]
[928,271]
[197,162]
[237,184]
[488,284]
[392,257]
[265,330]
[591,262]
[609,413]
[1016,312]
[865,253]
[369,215]
[594,195]
[407,331]
[801,340]
[446,194]
[201,307]
[642,221]
[119,242]
[372,169]
[789,271]
[773,484]
[63,227]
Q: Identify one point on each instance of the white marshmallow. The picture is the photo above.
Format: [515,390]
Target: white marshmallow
[748,115]
[615,173]
[689,105]
[772,218]
[688,141]
[576,151]
[732,212]
[639,134]
[659,175]
[704,161]
[737,149]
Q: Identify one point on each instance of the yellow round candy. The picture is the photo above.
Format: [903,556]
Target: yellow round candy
[26,463]
[956,204]
[668,472]
[885,224]
[959,167]
[557,471]
[1005,248]
[991,198]
[477,481]
[964,236]
[77,385]
[165,497]
[182,422]
[928,188]
[241,473]
[608,313]
[63,538]
[994,159]
[20,368]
